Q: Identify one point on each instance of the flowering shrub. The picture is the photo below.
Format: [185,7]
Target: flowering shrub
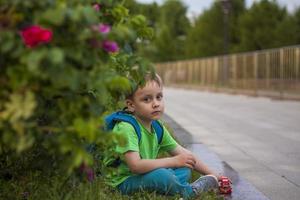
[59,77]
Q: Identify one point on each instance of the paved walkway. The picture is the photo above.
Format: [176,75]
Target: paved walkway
[258,137]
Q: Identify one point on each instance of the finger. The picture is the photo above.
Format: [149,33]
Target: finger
[191,162]
[189,166]
[192,158]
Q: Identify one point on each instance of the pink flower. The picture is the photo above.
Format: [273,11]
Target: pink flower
[97,6]
[35,35]
[110,46]
[102,28]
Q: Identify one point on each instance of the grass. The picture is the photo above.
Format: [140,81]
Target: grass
[73,189]
[37,187]
[98,190]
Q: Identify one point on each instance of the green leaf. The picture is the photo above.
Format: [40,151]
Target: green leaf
[24,142]
[86,129]
[55,16]
[119,13]
[90,15]
[120,84]
[56,55]
[138,21]
[19,107]
[146,33]
[75,14]
[33,59]
[7,41]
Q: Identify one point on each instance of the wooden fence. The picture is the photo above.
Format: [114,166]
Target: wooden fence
[274,72]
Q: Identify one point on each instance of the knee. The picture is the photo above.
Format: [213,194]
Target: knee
[162,173]
[184,173]
[187,171]
[163,176]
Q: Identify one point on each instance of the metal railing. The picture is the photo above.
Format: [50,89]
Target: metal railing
[274,72]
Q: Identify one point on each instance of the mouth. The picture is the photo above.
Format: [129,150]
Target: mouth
[156,113]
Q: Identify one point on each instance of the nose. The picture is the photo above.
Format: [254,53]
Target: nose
[156,103]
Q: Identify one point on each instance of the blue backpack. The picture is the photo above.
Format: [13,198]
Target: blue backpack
[123,116]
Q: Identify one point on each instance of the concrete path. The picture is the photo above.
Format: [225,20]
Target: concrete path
[258,137]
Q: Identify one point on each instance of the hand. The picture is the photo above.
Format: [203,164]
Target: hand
[185,160]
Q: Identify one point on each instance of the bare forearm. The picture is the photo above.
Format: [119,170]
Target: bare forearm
[203,169]
[146,165]
[199,165]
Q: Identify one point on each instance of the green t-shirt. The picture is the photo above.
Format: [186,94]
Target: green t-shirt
[148,148]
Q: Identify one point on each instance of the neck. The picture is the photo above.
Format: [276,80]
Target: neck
[145,123]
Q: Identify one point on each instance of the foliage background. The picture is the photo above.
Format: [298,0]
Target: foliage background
[264,25]
[54,96]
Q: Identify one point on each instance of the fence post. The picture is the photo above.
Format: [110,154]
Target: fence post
[244,72]
[268,70]
[297,63]
[202,71]
[255,72]
[281,62]
[216,69]
[234,72]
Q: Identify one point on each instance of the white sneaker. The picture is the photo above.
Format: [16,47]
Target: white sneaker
[205,183]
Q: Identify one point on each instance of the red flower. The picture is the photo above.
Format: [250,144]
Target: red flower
[34,35]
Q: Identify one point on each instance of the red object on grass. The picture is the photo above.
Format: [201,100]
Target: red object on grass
[35,35]
[88,171]
[225,185]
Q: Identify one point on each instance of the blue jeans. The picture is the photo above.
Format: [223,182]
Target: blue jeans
[166,181]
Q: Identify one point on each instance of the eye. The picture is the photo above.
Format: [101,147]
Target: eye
[147,99]
[159,97]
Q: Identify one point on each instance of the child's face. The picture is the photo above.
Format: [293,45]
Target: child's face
[147,102]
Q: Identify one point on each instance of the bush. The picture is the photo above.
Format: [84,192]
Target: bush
[64,65]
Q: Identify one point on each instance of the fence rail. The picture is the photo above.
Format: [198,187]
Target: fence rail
[274,72]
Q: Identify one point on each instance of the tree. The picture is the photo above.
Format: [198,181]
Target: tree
[297,21]
[170,24]
[286,32]
[151,11]
[258,26]
[206,37]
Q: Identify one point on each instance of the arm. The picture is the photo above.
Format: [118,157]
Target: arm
[225,183]
[199,165]
[140,166]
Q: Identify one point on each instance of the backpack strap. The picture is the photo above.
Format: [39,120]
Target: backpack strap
[159,130]
[121,116]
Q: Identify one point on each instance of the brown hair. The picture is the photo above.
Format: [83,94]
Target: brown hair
[148,77]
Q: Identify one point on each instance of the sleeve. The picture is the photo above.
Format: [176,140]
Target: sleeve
[168,143]
[129,139]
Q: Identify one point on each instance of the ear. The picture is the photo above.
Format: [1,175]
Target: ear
[130,105]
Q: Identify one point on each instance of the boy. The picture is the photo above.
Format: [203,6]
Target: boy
[140,169]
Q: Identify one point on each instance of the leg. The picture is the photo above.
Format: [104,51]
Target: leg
[162,180]
[205,183]
[183,174]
